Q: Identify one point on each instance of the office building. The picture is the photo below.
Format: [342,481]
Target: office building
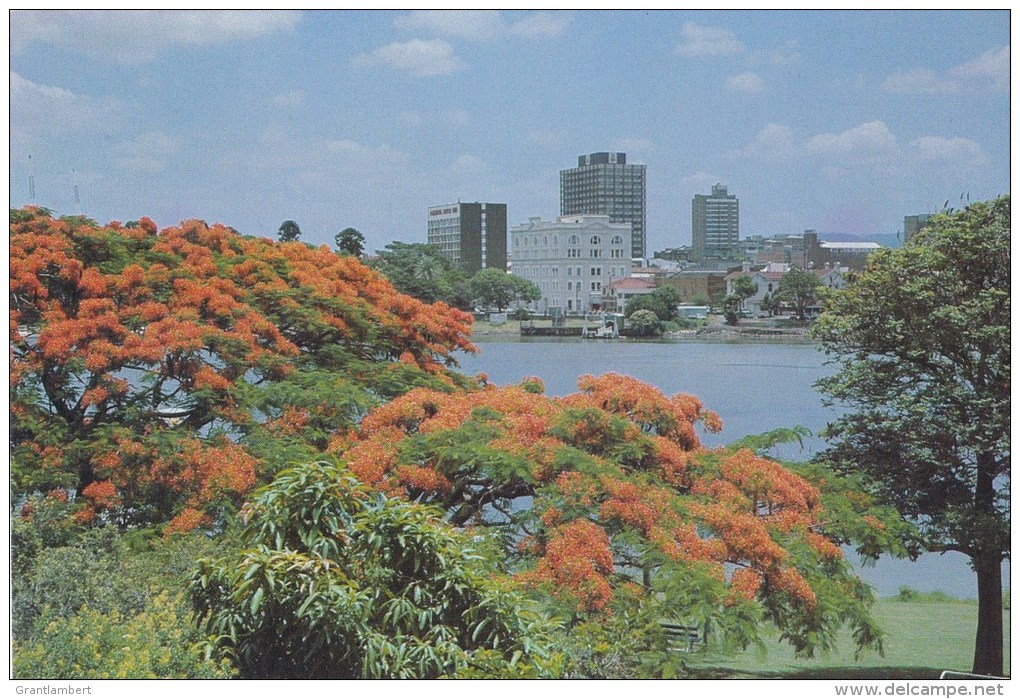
[472,235]
[715,225]
[571,260]
[605,184]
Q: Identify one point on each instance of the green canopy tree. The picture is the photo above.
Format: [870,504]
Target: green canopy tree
[350,241]
[923,340]
[289,232]
[744,287]
[662,302]
[420,270]
[494,287]
[336,582]
[800,288]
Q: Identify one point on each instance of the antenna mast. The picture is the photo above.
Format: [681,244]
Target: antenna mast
[77,199]
[31,181]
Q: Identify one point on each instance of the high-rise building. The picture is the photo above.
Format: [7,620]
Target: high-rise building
[604,184]
[472,235]
[715,224]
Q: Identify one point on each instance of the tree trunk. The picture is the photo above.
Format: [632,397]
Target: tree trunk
[988,644]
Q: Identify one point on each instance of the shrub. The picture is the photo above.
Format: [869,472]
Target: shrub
[644,323]
[157,643]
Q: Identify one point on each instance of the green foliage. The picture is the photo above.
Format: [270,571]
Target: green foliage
[922,338]
[799,288]
[289,232]
[495,288]
[97,567]
[644,323]
[663,302]
[731,309]
[626,644]
[909,594]
[335,582]
[350,241]
[157,643]
[744,287]
[422,271]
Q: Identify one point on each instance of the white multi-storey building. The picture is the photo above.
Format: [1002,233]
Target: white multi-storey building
[570,259]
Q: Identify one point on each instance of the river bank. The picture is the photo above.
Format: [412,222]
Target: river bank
[714,330]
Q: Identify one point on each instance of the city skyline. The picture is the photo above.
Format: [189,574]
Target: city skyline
[844,122]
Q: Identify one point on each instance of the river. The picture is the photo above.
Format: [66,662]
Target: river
[754,387]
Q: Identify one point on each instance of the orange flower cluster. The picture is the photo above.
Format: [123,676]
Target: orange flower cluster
[194,308]
[576,563]
[745,584]
[103,494]
[694,506]
[186,521]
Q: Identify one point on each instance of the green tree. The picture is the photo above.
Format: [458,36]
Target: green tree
[744,287]
[662,302]
[335,581]
[494,287]
[799,287]
[350,241]
[923,340]
[422,271]
[731,309]
[289,232]
[644,323]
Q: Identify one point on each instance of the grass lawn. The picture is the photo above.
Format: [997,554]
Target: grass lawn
[922,639]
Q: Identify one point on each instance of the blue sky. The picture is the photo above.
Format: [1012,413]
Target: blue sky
[839,121]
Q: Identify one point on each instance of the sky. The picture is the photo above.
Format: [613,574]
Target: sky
[844,122]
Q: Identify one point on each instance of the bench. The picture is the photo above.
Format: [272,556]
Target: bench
[682,638]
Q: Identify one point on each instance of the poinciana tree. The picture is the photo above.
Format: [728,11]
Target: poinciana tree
[157,372]
[609,487]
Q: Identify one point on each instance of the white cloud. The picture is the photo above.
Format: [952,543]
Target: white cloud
[44,110]
[541,25]
[869,141]
[707,41]
[417,57]
[950,150]
[988,72]
[750,83]
[146,153]
[293,98]
[773,143]
[484,25]
[788,55]
[138,35]
[465,24]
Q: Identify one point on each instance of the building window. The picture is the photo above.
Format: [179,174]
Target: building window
[617,240]
[574,240]
[595,240]
[595,252]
